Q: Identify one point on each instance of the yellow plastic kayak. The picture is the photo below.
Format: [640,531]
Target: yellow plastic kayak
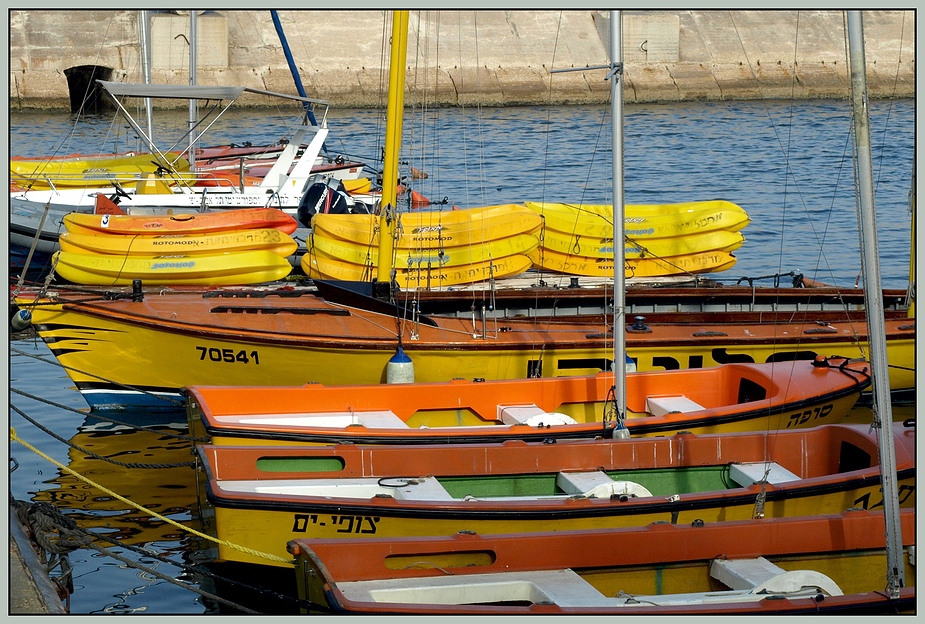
[267,239]
[705,262]
[435,229]
[594,247]
[318,265]
[643,220]
[226,269]
[435,256]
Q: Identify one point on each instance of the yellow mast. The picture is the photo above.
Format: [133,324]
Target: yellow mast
[393,129]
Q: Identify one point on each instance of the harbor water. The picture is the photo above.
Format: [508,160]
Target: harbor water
[788,164]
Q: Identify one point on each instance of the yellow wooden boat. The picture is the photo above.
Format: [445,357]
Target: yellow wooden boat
[434,229]
[597,247]
[241,267]
[643,220]
[87,172]
[261,497]
[306,338]
[426,256]
[704,262]
[267,239]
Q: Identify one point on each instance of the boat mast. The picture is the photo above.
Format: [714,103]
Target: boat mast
[619,276]
[296,78]
[393,130]
[144,34]
[873,302]
[193,112]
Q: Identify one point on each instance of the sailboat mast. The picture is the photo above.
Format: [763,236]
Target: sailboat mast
[393,130]
[876,326]
[193,112]
[619,277]
[293,69]
[144,35]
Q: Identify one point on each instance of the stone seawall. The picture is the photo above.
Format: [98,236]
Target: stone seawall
[464,58]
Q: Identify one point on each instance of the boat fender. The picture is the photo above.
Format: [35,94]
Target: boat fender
[548,419]
[400,368]
[20,320]
[618,489]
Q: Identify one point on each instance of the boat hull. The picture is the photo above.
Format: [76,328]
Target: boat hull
[262,497]
[87,172]
[180,338]
[669,570]
[735,397]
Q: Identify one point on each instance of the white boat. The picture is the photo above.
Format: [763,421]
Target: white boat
[284,186]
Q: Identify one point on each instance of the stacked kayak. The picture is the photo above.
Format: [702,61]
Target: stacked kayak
[660,239]
[230,247]
[430,249]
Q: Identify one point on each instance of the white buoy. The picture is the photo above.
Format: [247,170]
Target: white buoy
[21,320]
[400,369]
[630,364]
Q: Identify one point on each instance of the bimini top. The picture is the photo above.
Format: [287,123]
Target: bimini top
[190,92]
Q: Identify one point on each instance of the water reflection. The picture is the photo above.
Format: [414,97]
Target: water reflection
[152,468]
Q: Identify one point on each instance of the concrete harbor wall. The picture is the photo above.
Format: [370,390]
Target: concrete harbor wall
[464,58]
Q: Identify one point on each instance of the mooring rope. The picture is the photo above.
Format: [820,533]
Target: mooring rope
[238,547]
[189,464]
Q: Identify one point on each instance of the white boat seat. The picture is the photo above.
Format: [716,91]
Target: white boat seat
[597,484]
[421,488]
[759,575]
[661,405]
[745,474]
[532,416]
[380,419]
[560,587]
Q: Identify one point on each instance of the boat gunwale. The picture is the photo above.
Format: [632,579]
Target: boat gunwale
[510,338]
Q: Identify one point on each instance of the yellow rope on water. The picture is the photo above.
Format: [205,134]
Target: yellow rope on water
[244,549]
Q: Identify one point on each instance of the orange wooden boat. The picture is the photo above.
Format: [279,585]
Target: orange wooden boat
[257,498]
[733,397]
[181,223]
[828,564]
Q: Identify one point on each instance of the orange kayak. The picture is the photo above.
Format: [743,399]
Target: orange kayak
[190,223]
